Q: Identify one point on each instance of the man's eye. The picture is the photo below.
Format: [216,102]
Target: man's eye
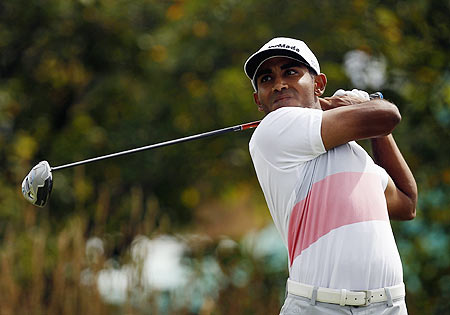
[291,72]
[265,78]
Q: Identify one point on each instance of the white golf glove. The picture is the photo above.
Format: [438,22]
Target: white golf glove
[37,185]
[357,93]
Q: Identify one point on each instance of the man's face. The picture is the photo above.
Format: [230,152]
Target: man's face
[284,82]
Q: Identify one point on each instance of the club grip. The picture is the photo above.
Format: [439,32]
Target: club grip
[376,95]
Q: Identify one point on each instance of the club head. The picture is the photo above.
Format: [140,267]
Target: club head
[37,185]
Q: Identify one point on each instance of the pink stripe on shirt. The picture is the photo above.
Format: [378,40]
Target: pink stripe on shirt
[335,201]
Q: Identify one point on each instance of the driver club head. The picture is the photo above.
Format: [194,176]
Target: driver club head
[37,185]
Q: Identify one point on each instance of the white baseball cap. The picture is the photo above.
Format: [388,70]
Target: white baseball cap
[280,47]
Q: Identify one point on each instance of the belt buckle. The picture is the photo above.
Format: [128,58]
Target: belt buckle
[368,297]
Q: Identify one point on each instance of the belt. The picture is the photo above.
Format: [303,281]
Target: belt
[346,297]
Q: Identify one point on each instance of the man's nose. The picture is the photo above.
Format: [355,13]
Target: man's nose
[279,84]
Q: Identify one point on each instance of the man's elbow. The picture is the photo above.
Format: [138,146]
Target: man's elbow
[383,120]
[392,118]
[410,215]
[404,210]
[409,211]
[403,215]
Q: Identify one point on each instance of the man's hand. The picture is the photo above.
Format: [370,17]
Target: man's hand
[344,98]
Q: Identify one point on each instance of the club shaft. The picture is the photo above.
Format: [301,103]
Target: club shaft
[175,141]
[161,144]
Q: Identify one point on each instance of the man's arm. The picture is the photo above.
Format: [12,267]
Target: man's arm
[347,118]
[401,191]
[366,119]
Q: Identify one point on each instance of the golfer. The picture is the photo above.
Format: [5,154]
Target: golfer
[330,201]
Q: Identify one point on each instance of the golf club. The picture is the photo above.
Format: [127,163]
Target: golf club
[37,185]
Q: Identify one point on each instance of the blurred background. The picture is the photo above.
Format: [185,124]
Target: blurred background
[185,229]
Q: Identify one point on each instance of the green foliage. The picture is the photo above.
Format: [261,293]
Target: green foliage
[85,78]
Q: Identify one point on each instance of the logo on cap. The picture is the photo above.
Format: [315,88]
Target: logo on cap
[294,48]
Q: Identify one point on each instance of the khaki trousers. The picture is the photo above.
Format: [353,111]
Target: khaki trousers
[296,305]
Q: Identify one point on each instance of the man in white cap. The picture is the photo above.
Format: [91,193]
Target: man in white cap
[328,199]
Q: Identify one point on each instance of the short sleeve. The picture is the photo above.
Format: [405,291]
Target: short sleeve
[383,176]
[289,136]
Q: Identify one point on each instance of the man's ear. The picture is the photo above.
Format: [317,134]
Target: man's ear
[256,98]
[320,82]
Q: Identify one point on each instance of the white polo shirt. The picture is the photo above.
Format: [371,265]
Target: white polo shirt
[329,206]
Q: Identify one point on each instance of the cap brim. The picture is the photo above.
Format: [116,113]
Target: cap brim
[253,63]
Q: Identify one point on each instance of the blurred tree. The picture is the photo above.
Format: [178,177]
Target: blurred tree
[84,78]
